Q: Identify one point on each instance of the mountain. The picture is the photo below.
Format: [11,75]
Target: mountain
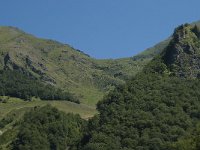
[63,66]
[67,68]
[158,109]
[31,66]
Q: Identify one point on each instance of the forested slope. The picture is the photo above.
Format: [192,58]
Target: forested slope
[157,108]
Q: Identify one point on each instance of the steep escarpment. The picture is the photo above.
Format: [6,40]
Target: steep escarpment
[182,56]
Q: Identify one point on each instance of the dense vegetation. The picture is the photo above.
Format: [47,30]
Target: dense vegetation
[47,128]
[150,112]
[13,109]
[189,142]
[159,109]
[15,84]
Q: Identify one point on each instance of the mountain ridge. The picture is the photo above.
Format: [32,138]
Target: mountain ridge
[67,68]
[63,66]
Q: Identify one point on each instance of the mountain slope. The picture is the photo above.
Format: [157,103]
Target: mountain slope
[157,107]
[63,66]
[156,110]
[67,68]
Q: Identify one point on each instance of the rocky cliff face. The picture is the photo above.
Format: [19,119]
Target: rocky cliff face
[182,56]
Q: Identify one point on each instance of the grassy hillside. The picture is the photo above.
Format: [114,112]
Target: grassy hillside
[63,66]
[10,105]
[153,51]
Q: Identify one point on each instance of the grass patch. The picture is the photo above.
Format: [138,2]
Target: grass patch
[18,106]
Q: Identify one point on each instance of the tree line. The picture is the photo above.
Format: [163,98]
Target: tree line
[16,84]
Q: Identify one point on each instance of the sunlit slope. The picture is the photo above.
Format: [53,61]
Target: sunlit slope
[63,66]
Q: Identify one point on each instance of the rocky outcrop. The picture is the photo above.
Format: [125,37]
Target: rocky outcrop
[28,67]
[182,56]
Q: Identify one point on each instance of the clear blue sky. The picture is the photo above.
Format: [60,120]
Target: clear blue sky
[100,28]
